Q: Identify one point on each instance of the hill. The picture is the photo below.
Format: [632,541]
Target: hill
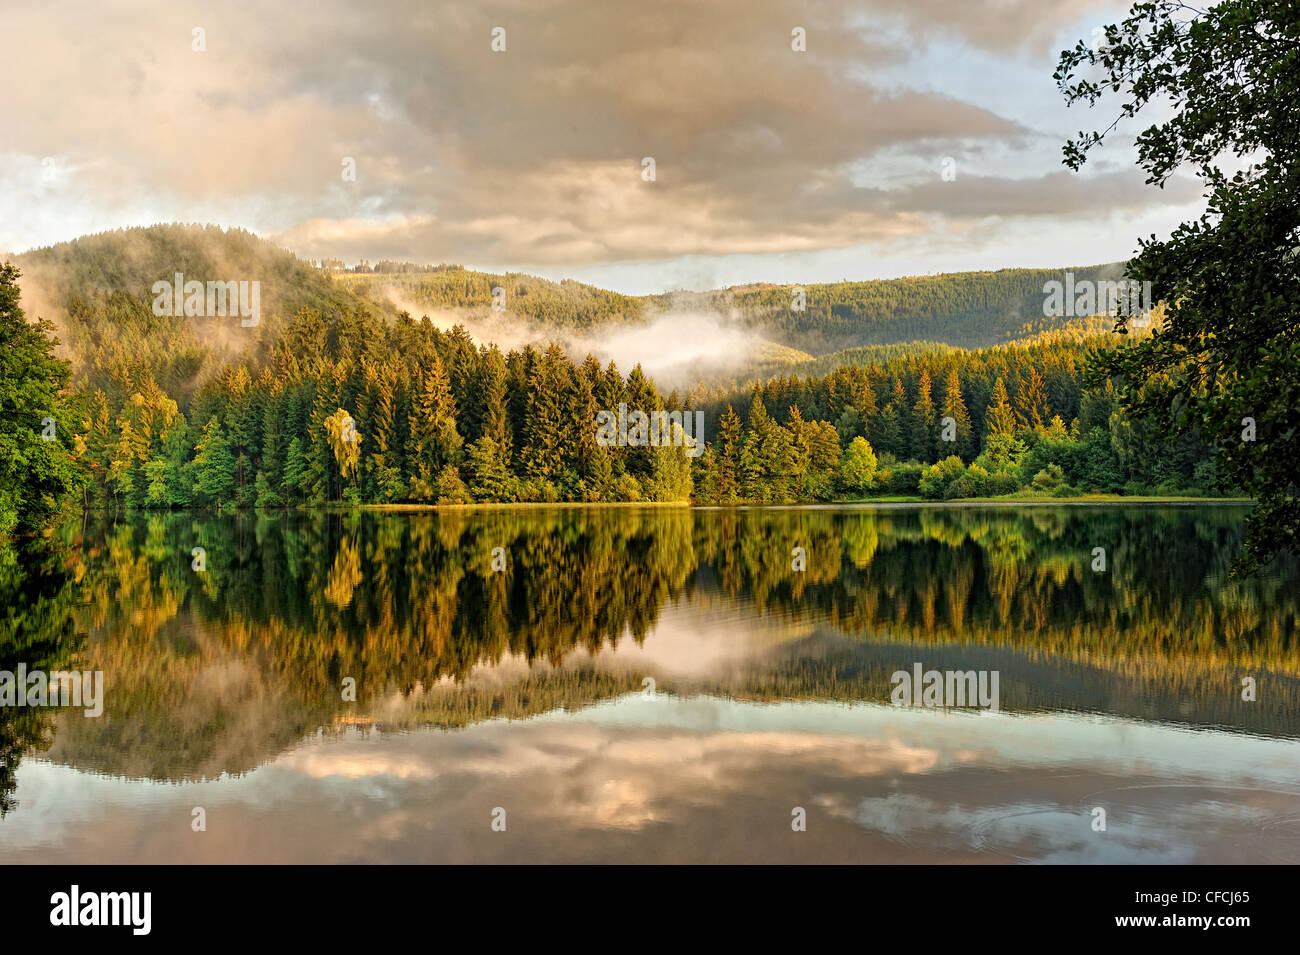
[962,309]
[98,290]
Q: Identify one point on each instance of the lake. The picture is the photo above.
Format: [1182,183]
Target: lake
[656,684]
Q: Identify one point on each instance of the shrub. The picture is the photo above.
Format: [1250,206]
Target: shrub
[450,488]
[898,479]
[1002,452]
[962,487]
[934,482]
[1205,476]
[627,487]
[980,477]
[1004,481]
[1049,478]
[1168,486]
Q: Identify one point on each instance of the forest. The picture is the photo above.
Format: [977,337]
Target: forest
[359,411]
[335,399]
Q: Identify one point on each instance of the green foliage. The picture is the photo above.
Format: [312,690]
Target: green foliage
[1049,478]
[858,467]
[934,482]
[295,470]
[450,488]
[214,467]
[38,471]
[438,419]
[490,478]
[265,496]
[900,479]
[766,459]
[671,478]
[1226,80]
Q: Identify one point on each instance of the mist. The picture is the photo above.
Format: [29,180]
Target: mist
[676,347]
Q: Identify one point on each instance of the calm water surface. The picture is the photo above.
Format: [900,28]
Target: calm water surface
[654,685]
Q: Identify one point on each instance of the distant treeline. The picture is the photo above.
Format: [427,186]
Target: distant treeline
[964,309]
[360,410]
[336,397]
[382,267]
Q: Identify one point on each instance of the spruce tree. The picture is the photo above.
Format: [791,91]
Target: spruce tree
[434,443]
[1001,419]
[728,486]
[214,467]
[923,421]
[954,406]
[1031,401]
[295,471]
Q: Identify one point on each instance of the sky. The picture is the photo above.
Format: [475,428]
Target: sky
[906,138]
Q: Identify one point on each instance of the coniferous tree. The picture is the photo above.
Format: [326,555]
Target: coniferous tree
[548,423]
[495,419]
[489,476]
[728,483]
[434,443]
[273,440]
[671,478]
[1032,409]
[169,475]
[849,425]
[824,462]
[954,407]
[801,449]
[923,421]
[1000,419]
[98,437]
[384,463]
[293,488]
[766,457]
[889,434]
[584,450]
[641,396]
[214,467]
[322,471]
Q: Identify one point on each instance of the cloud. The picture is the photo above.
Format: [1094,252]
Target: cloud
[529,157]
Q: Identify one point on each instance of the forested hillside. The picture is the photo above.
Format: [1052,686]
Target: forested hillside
[965,309]
[97,291]
[353,408]
[566,304]
[335,396]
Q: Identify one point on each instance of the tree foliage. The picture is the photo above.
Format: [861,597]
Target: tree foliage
[37,467]
[1227,79]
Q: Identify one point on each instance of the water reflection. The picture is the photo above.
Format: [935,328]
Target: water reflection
[1120,689]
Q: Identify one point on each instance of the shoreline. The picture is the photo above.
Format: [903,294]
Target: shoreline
[1096,500]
